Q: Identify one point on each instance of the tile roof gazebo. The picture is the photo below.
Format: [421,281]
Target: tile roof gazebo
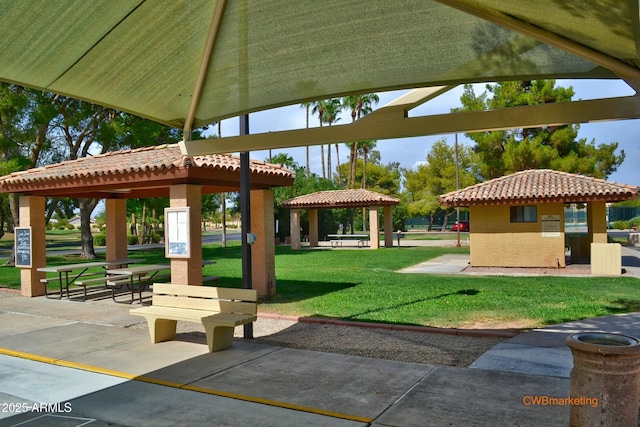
[355,198]
[518,219]
[150,172]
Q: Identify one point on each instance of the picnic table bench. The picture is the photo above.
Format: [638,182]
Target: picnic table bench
[69,274]
[336,239]
[219,310]
[138,277]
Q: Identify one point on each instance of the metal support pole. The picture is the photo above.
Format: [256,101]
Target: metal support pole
[457,188]
[245,212]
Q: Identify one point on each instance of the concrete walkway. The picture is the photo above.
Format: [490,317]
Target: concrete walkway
[66,363]
[458,263]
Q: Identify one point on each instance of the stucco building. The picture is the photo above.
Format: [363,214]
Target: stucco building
[518,220]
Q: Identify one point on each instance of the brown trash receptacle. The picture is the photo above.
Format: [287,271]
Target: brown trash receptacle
[605,379]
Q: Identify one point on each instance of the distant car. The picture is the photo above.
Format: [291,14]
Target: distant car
[464,226]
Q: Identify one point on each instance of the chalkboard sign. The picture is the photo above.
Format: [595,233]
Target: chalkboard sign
[23,246]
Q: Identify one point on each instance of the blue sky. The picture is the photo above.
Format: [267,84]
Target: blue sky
[409,152]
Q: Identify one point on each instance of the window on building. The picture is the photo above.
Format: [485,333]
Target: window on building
[524,213]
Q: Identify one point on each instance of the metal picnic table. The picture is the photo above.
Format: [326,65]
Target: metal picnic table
[336,239]
[64,271]
[144,274]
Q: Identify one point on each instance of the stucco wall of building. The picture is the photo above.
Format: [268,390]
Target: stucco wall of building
[497,242]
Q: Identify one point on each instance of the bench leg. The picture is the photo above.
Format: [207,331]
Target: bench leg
[218,337]
[161,329]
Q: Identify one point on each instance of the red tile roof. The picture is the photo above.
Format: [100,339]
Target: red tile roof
[147,167]
[537,186]
[146,158]
[340,199]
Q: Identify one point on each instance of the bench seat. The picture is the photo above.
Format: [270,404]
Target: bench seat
[98,280]
[138,286]
[219,310]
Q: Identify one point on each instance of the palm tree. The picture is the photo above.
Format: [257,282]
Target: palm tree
[307,106]
[365,146]
[332,108]
[318,107]
[359,106]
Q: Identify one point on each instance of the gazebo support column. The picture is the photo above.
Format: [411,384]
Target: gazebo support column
[597,222]
[116,238]
[263,261]
[374,227]
[32,215]
[295,228]
[313,227]
[188,271]
[388,226]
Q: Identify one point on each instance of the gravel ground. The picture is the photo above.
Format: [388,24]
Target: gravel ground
[408,346]
[419,347]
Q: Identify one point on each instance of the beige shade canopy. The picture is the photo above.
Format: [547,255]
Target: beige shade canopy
[192,63]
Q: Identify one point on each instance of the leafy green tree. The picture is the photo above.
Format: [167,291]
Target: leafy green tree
[303,185]
[437,176]
[210,206]
[550,147]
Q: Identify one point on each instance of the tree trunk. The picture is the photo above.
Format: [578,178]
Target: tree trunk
[86,208]
[3,215]
[446,219]
[143,224]
[133,224]
[15,215]
[324,172]
[223,207]
[353,162]
[338,164]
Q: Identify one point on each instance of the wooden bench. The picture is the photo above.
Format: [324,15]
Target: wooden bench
[219,310]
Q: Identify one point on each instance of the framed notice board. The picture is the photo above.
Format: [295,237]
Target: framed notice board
[176,231]
[23,246]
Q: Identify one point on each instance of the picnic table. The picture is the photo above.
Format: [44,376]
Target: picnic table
[336,239]
[137,277]
[69,273]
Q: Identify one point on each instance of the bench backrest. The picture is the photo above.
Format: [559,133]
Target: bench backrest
[225,300]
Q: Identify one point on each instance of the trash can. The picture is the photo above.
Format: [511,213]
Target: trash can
[605,379]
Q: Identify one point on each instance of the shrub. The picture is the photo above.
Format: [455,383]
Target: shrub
[634,222]
[132,239]
[620,225]
[100,240]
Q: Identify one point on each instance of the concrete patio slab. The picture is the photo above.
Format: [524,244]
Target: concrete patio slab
[484,398]
[135,403]
[354,385]
[111,314]
[65,341]
[543,361]
[47,384]
[19,323]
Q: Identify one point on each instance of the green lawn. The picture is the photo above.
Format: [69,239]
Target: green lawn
[363,285]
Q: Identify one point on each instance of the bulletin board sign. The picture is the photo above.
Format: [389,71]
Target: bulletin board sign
[176,231]
[23,246]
